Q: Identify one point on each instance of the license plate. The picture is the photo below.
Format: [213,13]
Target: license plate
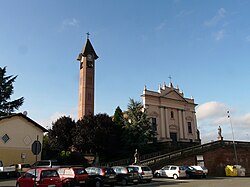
[82,182]
[111,177]
[52,185]
[135,180]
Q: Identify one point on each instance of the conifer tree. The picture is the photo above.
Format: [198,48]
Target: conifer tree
[6,90]
[118,116]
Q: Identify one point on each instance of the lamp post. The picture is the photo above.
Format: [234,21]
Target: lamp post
[235,153]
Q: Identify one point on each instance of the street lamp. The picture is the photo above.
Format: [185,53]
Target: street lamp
[235,153]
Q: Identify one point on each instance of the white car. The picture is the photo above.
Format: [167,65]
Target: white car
[203,169]
[171,171]
[145,173]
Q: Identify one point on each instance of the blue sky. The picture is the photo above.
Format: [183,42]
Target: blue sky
[203,45]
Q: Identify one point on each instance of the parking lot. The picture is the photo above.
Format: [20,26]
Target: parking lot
[164,182]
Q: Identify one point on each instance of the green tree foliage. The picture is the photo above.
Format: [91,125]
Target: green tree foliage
[6,90]
[118,116]
[138,130]
[95,134]
[60,136]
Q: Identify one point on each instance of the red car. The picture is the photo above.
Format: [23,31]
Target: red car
[73,176]
[45,177]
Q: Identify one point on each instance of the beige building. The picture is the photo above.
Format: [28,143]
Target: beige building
[172,115]
[17,133]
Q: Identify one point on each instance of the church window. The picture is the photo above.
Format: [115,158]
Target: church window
[172,114]
[154,125]
[189,127]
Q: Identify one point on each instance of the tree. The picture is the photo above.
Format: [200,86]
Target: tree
[118,116]
[138,130]
[6,90]
[95,134]
[60,136]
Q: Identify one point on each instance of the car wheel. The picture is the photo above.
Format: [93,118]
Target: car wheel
[124,182]
[98,183]
[157,175]
[67,184]
[175,176]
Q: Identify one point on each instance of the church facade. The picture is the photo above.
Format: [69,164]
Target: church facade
[172,115]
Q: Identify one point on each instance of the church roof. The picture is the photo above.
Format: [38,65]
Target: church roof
[88,49]
[25,117]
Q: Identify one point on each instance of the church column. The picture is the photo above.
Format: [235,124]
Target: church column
[195,126]
[167,124]
[180,124]
[163,129]
[184,124]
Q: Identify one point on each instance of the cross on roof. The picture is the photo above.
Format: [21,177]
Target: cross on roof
[87,35]
[170,78]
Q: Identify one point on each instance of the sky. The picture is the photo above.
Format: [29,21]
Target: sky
[203,45]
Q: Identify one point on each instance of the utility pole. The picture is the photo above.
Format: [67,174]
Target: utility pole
[235,152]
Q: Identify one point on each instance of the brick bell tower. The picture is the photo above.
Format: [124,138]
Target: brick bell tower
[87,59]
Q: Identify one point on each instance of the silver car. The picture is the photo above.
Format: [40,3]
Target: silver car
[145,173]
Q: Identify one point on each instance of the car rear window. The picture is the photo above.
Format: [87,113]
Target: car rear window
[181,168]
[145,168]
[49,173]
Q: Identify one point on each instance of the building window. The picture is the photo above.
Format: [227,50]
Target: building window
[189,127]
[154,125]
[172,114]
[5,138]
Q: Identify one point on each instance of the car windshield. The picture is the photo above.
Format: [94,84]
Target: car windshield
[109,170]
[132,169]
[80,171]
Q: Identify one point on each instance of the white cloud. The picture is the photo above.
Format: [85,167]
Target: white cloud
[160,26]
[211,109]
[70,23]
[213,114]
[47,123]
[219,16]
[184,13]
[219,35]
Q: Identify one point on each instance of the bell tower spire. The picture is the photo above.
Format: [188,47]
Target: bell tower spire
[87,59]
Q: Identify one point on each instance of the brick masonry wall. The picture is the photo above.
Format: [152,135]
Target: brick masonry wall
[216,160]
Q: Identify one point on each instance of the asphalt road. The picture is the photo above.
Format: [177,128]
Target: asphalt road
[163,182]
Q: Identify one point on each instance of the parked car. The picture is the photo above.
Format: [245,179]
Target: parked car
[46,164]
[192,172]
[21,168]
[171,171]
[73,176]
[145,173]
[40,177]
[101,175]
[203,169]
[126,174]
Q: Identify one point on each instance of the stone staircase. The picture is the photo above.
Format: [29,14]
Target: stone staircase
[157,160]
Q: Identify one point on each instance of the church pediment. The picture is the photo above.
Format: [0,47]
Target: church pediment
[174,95]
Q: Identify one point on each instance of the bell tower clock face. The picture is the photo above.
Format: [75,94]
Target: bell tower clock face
[89,61]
